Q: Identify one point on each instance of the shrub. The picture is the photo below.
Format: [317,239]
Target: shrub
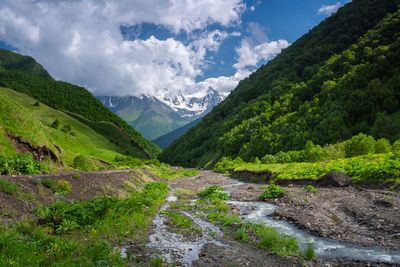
[21,164]
[55,124]
[8,187]
[66,128]
[241,235]
[273,191]
[268,159]
[382,146]
[282,157]
[313,153]
[36,104]
[64,217]
[336,151]
[213,192]
[81,162]
[48,183]
[396,146]
[360,144]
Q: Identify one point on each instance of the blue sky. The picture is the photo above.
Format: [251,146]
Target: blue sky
[157,47]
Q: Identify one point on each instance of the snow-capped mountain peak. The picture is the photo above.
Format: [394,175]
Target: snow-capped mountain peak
[194,105]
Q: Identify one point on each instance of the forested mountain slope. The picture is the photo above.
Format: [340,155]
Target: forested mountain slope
[329,85]
[167,139]
[24,75]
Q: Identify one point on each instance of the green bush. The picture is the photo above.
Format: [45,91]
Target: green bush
[20,164]
[268,159]
[48,183]
[396,146]
[8,187]
[66,128]
[313,153]
[282,157]
[272,191]
[63,217]
[55,124]
[382,146]
[83,163]
[360,144]
[332,152]
[213,192]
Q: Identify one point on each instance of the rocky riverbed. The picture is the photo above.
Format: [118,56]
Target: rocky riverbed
[346,216]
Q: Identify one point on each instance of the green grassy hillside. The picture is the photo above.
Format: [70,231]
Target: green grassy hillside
[20,117]
[24,77]
[326,87]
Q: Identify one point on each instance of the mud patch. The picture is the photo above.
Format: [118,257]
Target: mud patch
[39,153]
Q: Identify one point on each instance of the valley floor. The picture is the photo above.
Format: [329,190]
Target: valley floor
[182,234]
[352,215]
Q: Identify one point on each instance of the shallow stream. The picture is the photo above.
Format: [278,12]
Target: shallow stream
[175,247]
[259,212]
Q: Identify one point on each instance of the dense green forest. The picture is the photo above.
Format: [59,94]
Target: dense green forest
[340,79]
[13,61]
[24,75]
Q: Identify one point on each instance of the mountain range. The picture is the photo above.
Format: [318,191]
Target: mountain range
[155,116]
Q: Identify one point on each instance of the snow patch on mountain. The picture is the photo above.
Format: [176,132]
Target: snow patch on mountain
[190,106]
[195,105]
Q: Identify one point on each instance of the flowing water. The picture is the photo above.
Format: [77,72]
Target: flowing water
[259,212]
[176,247]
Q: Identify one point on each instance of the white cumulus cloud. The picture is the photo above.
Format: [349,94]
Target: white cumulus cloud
[80,40]
[250,54]
[327,10]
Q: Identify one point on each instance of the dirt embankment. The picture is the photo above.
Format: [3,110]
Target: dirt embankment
[84,186]
[39,153]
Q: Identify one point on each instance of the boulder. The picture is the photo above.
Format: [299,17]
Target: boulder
[335,179]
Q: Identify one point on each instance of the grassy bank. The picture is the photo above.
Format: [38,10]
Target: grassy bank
[81,218]
[376,168]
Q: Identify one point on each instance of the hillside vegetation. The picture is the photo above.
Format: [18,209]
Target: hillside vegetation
[338,80]
[33,123]
[24,75]
[366,160]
